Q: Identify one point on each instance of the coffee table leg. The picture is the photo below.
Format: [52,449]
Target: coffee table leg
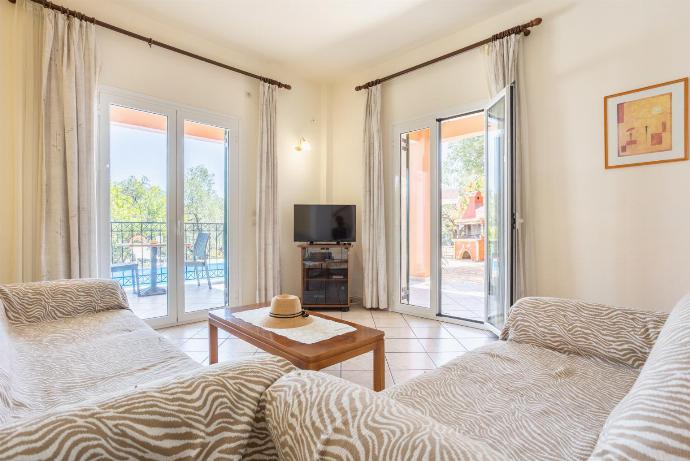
[212,344]
[379,367]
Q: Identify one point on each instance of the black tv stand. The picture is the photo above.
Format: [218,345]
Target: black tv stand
[325,269]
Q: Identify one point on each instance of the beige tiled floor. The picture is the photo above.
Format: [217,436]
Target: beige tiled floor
[413,345]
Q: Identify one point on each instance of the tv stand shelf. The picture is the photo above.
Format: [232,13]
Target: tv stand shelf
[325,276]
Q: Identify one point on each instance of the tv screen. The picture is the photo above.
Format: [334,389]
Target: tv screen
[325,223]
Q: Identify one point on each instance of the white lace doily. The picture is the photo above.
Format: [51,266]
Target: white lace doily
[318,330]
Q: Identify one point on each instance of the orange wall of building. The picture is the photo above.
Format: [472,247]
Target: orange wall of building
[420,204]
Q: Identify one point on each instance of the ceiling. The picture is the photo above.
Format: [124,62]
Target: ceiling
[321,38]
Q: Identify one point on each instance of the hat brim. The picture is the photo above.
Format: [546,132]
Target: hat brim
[295,322]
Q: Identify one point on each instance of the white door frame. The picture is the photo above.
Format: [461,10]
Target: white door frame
[507,197]
[394,280]
[232,205]
[176,114]
[395,275]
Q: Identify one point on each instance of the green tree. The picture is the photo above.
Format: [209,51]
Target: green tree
[136,199]
[463,170]
[201,202]
[463,162]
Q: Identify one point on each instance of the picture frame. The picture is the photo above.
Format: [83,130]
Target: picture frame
[646,126]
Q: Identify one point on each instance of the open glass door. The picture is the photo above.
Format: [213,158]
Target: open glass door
[416,254]
[499,184]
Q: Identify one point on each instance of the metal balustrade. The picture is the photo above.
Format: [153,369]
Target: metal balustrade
[125,235]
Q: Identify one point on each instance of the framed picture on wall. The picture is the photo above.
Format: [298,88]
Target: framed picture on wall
[648,125]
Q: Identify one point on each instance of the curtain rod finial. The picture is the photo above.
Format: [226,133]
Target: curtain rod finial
[536,21]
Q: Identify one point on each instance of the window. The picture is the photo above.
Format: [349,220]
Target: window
[168,194]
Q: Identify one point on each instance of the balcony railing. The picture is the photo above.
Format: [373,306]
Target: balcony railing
[129,240]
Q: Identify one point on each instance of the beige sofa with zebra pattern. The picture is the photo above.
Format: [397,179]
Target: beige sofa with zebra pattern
[81,377]
[568,381]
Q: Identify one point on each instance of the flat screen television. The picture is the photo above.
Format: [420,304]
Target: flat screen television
[325,223]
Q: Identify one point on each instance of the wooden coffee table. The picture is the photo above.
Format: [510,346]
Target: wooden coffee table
[306,356]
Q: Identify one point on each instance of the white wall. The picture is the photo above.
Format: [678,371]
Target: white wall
[131,65]
[613,236]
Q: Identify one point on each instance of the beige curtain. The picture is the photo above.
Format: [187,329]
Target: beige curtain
[374,220]
[68,244]
[267,225]
[20,140]
[503,68]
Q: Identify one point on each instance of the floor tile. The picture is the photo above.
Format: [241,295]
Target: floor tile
[409,361]
[236,345]
[441,358]
[421,322]
[474,343]
[198,356]
[361,362]
[400,376]
[195,344]
[227,355]
[182,331]
[390,321]
[461,331]
[176,341]
[441,345]
[397,332]
[332,372]
[403,345]
[365,378]
[335,367]
[431,332]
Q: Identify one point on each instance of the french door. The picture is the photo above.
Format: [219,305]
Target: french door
[167,206]
[453,215]
[499,208]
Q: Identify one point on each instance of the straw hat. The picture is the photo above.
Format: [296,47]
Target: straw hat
[286,312]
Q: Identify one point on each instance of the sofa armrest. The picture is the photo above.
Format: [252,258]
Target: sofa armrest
[575,327]
[210,413]
[314,415]
[45,301]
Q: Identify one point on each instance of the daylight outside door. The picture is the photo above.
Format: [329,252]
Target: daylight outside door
[499,184]
[164,201]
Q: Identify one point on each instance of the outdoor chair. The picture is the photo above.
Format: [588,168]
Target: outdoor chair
[200,257]
[133,269]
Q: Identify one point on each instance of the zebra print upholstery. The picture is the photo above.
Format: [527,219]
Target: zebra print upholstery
[575,327]
[315,416]
[72,359]
[543,393]
[45,301]
[653,420]
[205,414]
[527,402]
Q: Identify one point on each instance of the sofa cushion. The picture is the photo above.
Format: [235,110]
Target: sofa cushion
[653,420]
[524,401]
[206,414]
[76,358]
[314,415]
[576,327]
[44,301]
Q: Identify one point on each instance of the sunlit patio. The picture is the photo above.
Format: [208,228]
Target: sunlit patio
[462,289]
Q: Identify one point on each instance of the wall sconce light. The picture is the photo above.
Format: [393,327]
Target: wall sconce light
[303,145]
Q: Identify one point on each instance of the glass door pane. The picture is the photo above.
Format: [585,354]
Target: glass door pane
[205,216]
[138,197]
[498,209]
[463,235]
[415,218]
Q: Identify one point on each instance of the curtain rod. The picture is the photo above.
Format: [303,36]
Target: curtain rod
[522,28]
[151,41]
